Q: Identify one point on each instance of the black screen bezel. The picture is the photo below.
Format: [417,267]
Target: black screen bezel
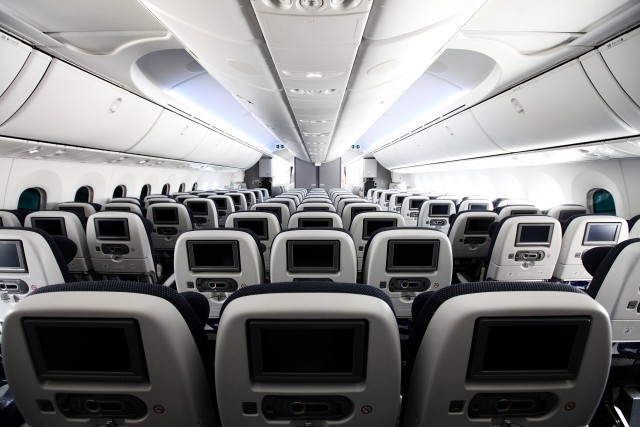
[541,243]
[60,221]
[358,374]
[478,349]
[335,268]
[467,227]
[412,204]
[134,345]
[23,268]
[235,248]
[366,221]
[588,228]
[126,236]
[432,205]
[201,203]
[262,221]
[163,209]
[303,221]
[391,245]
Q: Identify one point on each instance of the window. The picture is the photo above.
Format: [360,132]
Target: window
[195,186]
[84,195]
[181,188]
[165,189]
[32,199]
[146,189]
[119,191]
[601,202]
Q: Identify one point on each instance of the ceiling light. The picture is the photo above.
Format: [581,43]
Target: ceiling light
[34,150]
[314,121]
[142,161]
[313,75]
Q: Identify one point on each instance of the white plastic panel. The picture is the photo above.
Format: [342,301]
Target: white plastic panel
[14,54]
[219,150]
[559,108]
[621,56]
[23,85]
[418,149]
[610,90]
[172,137]
[461,137]
[73,107]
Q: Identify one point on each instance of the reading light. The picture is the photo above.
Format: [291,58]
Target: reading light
[34,150]
[313,75]
[142,161]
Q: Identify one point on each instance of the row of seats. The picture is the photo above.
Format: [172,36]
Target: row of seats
[487,353]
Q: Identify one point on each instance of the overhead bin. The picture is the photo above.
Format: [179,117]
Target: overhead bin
[558,108]
[621,57]
[21,71]
[414,150]
[172,136]
[461,137]
[221,150]
[73,107]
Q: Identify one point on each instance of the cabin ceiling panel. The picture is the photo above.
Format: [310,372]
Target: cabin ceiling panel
[564,100]
[72,107]
[392,18]
[14,54]
[172,135]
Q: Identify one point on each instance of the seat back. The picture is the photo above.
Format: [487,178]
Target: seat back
[306,254]
[312,219]
[342,203]
[584,232]
[264,225]
[67,224]
[487,353]
[216,263]
[316,206]
[615,286]
[109,353]
[523,247]
[404,262]
[384,197]
[239,200]
[152,200]
[9,219]
[169,220]
[29,259]
[182,197]
[396,200]
[286,201]
[634,227]
[564,212]
[205,214]
[410,209]
[122,207]
[315,199]
[513,210]
[506,201]
[351,210]
[436,213]
[224,206]
[120,243]
[125,200]
[469,233]
[250,197]
[82,209]
[320,354]
[280,210]
[364,224]
[473,204]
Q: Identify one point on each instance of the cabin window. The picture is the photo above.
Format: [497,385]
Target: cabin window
[601,202]
[119,191]
[165,189]
[181,188]
[195,186]
[84,195]
[32,199]
[146,189]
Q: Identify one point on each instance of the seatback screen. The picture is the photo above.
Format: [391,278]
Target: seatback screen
[478,206]
[359,209]
[439,209]
[273,210]
[415,204]
[198,208]
[112,228]
[601,233]
[308,350]
[547,348]
[221,204]
[315,222]
[53,226]
[165,216]
[534,234]
[412,255]
[371,225]
[213,256]
[257,225]
[313,256]
[12,258]
[78,210]
[86,349]
[478,225]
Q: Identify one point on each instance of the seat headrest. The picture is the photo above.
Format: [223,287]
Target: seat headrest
[199,303]
[67,247]
[592,259]
[308,287]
